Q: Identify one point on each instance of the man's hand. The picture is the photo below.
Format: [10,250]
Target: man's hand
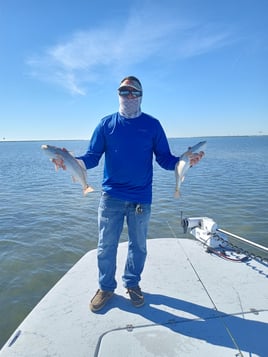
[196,157]
[59,163]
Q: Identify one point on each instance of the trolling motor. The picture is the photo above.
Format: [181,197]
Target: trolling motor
[205,230]
[215,239]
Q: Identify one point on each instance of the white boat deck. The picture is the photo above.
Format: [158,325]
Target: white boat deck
[197,304]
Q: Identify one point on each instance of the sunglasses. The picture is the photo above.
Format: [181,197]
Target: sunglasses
[127,92]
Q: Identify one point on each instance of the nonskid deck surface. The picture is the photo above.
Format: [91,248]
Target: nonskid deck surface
[197,304]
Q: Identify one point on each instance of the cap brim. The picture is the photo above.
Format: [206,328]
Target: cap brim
[128,83]
[129,86]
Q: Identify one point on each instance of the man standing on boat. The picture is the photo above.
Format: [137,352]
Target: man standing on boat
[128,139]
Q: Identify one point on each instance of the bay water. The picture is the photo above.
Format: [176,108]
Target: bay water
[47,224]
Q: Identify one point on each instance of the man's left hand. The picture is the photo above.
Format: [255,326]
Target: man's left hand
[196,157]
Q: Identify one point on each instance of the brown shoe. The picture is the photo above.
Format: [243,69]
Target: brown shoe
[100,299]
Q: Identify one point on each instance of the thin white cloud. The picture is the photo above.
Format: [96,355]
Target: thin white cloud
[81,59]
[202,39]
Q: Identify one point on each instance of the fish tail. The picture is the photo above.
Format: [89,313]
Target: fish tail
[88,189]
[177,193]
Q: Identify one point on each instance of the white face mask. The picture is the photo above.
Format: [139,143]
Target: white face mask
[130,107]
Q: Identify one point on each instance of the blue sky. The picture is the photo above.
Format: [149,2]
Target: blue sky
[203,65]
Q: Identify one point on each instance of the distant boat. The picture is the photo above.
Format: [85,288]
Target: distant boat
[199,302]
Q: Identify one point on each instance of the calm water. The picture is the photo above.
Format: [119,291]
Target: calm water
[46,224]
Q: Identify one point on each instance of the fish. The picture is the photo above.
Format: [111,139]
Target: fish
[183,164]
[62,158]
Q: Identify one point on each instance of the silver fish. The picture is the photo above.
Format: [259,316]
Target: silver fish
[183,164]
[63,159]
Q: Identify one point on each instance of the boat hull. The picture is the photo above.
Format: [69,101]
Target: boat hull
[197,304]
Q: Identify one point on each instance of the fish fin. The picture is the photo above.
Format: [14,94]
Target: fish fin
[88,189]
[69,152]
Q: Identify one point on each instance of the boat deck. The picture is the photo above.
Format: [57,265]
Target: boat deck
[197,304]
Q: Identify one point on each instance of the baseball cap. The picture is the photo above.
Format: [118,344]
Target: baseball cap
[132,82]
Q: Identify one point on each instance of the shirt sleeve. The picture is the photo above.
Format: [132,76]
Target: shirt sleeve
[162,152]
[95,149]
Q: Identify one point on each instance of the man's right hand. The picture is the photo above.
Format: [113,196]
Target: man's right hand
[59,163]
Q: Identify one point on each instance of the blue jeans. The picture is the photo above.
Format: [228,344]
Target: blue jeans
[111,216]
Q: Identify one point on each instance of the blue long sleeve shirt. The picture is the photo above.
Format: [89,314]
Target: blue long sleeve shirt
[129,146]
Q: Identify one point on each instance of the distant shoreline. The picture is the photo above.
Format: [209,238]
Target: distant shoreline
[183,137]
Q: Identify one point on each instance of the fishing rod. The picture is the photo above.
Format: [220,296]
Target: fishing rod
[256,245]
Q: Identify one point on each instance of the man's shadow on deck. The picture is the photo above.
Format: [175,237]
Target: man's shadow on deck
[207,324]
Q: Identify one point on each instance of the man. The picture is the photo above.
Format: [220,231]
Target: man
[128,139]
